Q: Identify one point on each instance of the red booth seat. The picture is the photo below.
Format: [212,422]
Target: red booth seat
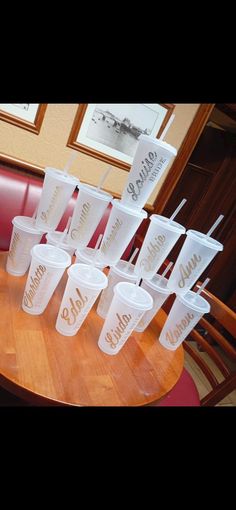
[20,194]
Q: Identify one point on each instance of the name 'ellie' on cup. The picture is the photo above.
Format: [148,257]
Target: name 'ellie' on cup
[57,190]
[150,161]
[24,236]
[196,254]
[129,304]
[161,236]
[122,225]
[185,313]
[83,287]
[89,209]
[47,267]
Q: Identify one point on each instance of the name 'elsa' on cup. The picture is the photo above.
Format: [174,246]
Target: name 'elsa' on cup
[150,161]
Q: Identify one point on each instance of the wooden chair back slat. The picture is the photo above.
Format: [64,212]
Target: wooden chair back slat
[219,338]
[202,364]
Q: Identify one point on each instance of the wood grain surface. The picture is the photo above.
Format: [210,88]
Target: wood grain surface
[46,368]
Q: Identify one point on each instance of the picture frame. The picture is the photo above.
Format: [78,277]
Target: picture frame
[27,116]
[110,132]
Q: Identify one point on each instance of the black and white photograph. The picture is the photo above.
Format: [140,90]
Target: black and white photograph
[111,131]
[27,116]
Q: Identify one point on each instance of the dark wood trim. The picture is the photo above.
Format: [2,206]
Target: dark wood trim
[73,144]
[183,156]
[24,124]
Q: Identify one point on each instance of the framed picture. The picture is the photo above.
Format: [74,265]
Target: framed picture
[110,132]
[25,115]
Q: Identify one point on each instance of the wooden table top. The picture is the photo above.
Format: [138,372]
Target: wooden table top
[46,368]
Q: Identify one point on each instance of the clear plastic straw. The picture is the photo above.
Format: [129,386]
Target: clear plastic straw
[69,163]
[64,233]
[35,214]
[134,292]
[103,178]
[178,209]
[167,269]
[93,260]
[163,134]
[215,225]
[131,259]
[204,284]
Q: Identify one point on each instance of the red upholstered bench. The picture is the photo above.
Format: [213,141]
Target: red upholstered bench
[20,194]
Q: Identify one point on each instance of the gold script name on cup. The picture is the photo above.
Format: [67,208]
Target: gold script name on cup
[186,271]
[114,231]
[144,175]
[75,232]
[70,314]
[33,286]
[173,336]
[45,215]
[12,252]
[152,251]
[114,335]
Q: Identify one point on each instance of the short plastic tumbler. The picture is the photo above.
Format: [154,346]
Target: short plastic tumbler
[24,236]
[47,267]
[54,238]
[87,256]
[184,315]
[157,287]
[57,189]
[122,272]
[161,236]
[127,308]
[89,209]
[83,287]
[122,225]
[196,254]
[150,161]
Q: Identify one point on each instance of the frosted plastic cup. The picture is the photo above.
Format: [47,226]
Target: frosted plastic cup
[83,287]
[122,225]
[184,315]
[54,237]
[118,273]
[157,287]
[89,209]
[47,267]
[196,254]
[127,308]
[150,161]
[86,256]
[161,236]
[24,236]
[57,190]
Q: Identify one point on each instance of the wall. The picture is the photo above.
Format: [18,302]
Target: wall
[49,147]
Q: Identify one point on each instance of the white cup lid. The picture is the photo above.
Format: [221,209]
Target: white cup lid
[129,210]
[87,256]
[54,237]
[195,302]
[158,283]
[51,255]
[159,143]
[166,223]
[205,240]
[26,223]
[81,273]
[93,191]
[62,176]
[120,270]
[141,300]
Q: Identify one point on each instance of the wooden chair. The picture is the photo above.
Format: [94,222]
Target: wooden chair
[208,335]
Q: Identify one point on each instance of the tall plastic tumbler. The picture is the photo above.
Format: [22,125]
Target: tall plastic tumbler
[127,308]
[150,161]
[122,225]
[89,209]
[24,236]
[57,189]
[47,267]
[161,236]
[83,287]
[157,287]
[54,238]
[196,254]
[122,272]
[185,313]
